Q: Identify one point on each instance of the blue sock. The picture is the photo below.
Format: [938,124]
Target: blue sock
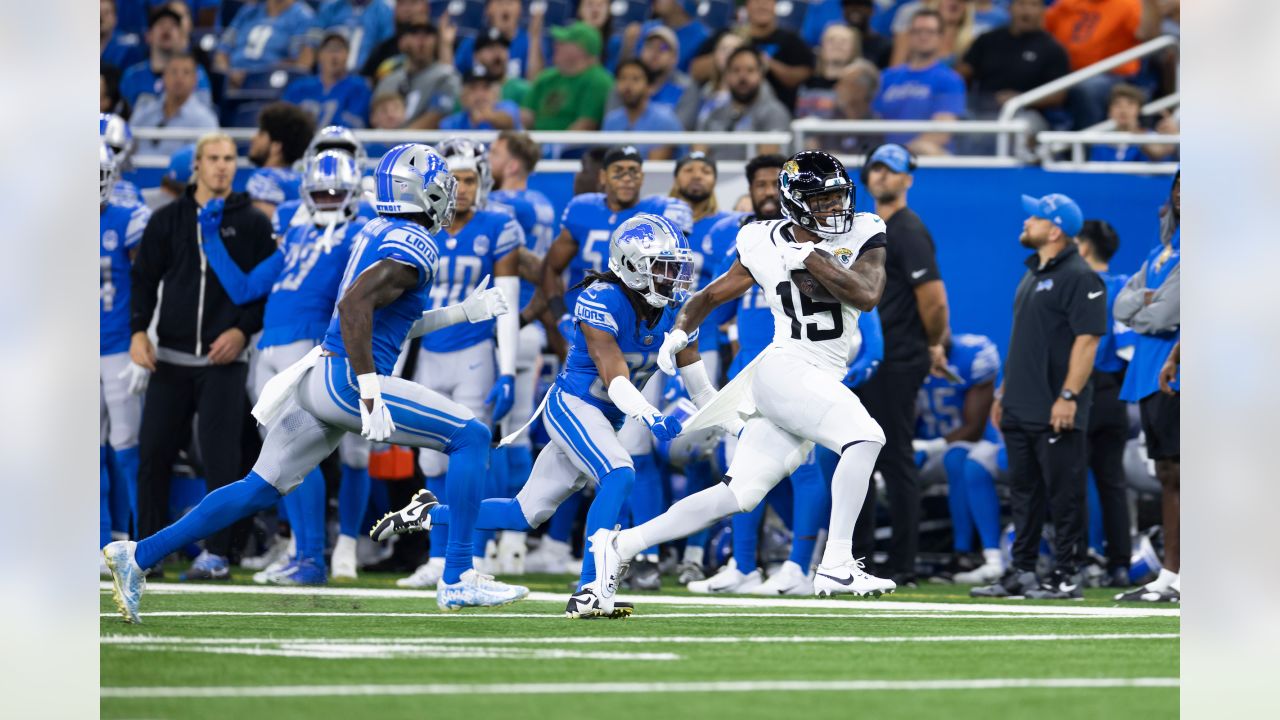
[495,481]
[185,492]
[697,477]
[646,493]
[746,536]
[464,489]
[306,513]
[123,464]
[379,502]
[519,467]
[219,509]
[1095,515]
[811,508]
[104,494]
[439,536]
[984,504]
[561,527]
[958,499]
[502,514]
[353,500]
[605,509]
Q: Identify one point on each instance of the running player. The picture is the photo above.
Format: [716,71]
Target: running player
[339,387]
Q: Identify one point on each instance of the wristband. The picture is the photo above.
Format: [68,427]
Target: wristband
[370,388]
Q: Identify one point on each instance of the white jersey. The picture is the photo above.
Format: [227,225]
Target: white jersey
[824,333]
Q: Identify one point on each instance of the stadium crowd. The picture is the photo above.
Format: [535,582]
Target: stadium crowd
[181,367]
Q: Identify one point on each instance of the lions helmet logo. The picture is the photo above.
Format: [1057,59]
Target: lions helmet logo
[641,234]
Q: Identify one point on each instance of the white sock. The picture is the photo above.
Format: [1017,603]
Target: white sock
[693,554]
[993,556]
[1176,585]
[681,520]
[1163,581]
[849,486]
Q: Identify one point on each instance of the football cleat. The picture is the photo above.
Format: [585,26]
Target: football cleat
[208,566]
[300,572]
[849,578]
[585,605]
[688,572]
[414,517]
[477,590]
[1013,584]
[609,566]
[511,552]
[127,579]
[103,570]
[1058,586]
[788,580]
[984,574]
[1147,594]
[644,576]
[728,580]
[276,555]
[343,561]
[264,576]
[427,575]
[551,556]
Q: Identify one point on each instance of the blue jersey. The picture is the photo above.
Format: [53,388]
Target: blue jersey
[465,258]
[708,249]
[537,218]
[125,194]
[605,306]
[1118,335]
[402,241]
[273,185]
[346,103]
[302,297]
[1151,351]
[591,223]
[367,24]
[975,360]
[119,230]
[257,42]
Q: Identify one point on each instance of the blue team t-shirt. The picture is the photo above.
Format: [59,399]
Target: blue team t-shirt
[462,120]
[975,359]
[367,26]
[1150,351]
[907,94]
[139,80]
[346,103]
[119,231]
[273,185]
[655,118]
[256,42]
[465,258]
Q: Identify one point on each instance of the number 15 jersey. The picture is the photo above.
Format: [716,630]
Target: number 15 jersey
[826,333]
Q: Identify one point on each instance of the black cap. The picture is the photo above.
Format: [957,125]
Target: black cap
[696,156]
[618,153]
[479,73]
[164,11]
[335,32]
[492,36]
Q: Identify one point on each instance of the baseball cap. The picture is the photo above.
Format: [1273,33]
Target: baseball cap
[164,11]
[580,34]
[492,37]
[666,33]
[1057,209]
[335,32]
[893,156]
[479,73]
[696,156]
[618,153]
[179,170]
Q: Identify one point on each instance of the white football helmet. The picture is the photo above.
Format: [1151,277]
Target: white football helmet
[106,173]
[411,179]
[651,256]
[330,187]
[114,131]
[336,137]
[463,154]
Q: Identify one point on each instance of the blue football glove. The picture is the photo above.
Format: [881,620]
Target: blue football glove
[664,427]
[860,373]
[502,396]
[210,218]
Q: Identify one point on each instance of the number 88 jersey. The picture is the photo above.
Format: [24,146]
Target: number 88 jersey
[824,332]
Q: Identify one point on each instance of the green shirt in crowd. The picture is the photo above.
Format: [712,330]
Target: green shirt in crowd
[558,101]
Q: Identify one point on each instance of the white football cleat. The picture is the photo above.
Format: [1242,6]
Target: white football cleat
[276,555]
[127,579]
[477,590]
[849,578]
[267,575]
[551,556]
[414,517]
[427,575]
[511,552]
[728,580]
[788,580]
[610,566]
[103,570]
[343,561]
[984,574]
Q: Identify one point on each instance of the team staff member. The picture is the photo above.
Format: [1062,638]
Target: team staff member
[914,315]
[199,368]
[1059,314]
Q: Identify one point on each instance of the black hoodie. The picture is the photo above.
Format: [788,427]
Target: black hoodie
[196,309]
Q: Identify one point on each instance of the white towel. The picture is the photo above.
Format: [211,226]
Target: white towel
[281,388]
[732,403]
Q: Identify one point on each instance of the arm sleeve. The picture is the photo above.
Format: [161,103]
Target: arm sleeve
[1164,313]
[242,287]
[697,383]
[258,247]
[1129,300]
[1087,306]
[148,267]
[508,325]
[915,253]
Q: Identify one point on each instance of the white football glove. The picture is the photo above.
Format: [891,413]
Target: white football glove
[375,424]
[794,254]
[485,303]
[674,342]
[137,377]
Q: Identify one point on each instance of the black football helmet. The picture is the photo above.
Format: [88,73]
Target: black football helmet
[809,174]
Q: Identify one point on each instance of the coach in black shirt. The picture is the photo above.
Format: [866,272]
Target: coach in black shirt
[914,315]
[1059,315]
[1011,60]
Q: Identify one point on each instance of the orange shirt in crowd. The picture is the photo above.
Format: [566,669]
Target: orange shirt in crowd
[1093,30]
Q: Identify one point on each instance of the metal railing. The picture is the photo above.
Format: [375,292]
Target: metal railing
[813,127]
[1079,139]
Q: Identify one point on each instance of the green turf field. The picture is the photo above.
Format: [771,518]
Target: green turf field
[372,650]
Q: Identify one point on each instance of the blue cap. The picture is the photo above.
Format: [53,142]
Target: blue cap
[1057,209]
[180,165]
[893,156]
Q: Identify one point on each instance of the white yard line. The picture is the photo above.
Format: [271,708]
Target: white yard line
[654,639]
[641,616]
[586,688]
[685,600]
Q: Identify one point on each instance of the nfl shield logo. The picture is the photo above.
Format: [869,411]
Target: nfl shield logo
[451,243]
[648,340]
[110,240]
[482,244]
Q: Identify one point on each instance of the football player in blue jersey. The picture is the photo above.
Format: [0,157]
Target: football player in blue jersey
[955,440]
[120,381]
[458,362]
[115,133]
[619,318]
[331,137]
[302,280]
[345,385]
[512,158]
[284,131]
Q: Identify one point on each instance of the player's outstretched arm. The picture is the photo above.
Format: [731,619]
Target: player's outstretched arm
[860,285]
[376,287]
[616,378]
[484,303]
[243,288]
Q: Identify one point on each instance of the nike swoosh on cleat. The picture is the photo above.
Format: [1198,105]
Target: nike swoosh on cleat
[846,581]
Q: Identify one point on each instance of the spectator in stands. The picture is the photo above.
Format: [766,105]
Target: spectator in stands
[958,28]
[284,131]
[670,86]
[482,106]
[596,13]
[715,92]
[267,35]
[689,32]
[503,20]
[203,57]
[407,13]
[367,23]
[788,60]
[177,107]
[166,37]
[115,48]
[817,96]
[1011,60]
[752,106]
[333,95]
[1124,110]
[109,100]
[429,85]
[571,94]
[387,111]
[855,89]
[1093,30]
[855,14]
[923,88]
[638,112]
[492,52]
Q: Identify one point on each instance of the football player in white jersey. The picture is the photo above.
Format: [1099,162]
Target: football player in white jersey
[820,267]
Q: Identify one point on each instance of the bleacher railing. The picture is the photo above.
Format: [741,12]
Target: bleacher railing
[1079,140]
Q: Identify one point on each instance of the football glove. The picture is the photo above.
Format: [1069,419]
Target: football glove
[485,303]
[210,218]
[502,396]
[664,427]
[375,422]
[136,376]
[674,342]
